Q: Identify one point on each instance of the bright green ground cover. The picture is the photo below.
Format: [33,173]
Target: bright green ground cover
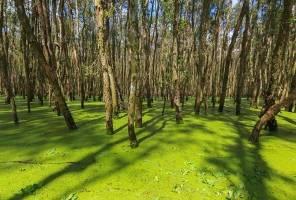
[207,157]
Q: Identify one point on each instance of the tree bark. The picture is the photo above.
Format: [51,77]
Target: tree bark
[243,62]
[146,52]
[114,94]
[283,34]
[175,79]
[203,48]
[134,49]
[4,70]
[229,55]
[48,66]
[101,9]
[270,110]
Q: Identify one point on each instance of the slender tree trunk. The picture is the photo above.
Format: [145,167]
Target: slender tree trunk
[229,55]
[175,79]
[101,9]
[27,70]
[293,86]
[214,64]
[138,105]
[47,66]
[203,47]
[134,48]
[243,62]
[114,94]
[4,70]
[76,52]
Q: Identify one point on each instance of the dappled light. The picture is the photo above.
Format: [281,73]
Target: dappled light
[209,156]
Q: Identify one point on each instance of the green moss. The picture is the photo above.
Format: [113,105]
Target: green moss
[209,157]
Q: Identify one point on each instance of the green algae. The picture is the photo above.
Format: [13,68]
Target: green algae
[207,157]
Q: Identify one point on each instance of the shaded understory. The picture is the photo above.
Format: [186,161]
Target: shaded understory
[207,157]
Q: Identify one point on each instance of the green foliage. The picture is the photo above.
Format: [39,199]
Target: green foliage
[134,145]
[69,197]
[109,13]
[178,188]
[183,25]
[234,194]
[30,189]
[53,152]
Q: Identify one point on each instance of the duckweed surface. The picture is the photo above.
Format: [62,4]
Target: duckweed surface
[207,157]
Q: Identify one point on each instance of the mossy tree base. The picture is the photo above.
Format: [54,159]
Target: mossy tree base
[132,136]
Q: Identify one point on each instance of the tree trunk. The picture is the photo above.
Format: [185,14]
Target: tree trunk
[114,94]
[243,62]
[146,51]
[202,64]
[48,67]
[101,9]
[229,55]
[272,112]
[293,87]
[283,34]
[4,71]
[216,41]
[175,79]
[138,105]
[134,49]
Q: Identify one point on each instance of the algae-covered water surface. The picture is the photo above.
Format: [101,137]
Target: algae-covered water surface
[207,157]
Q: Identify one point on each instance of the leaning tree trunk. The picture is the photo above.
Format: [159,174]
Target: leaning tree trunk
[4,70]
[283,35]
[229,54]
[48,67]
[101,8]
[272,111]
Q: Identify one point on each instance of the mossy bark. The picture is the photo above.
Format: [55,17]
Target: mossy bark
[114,94]
[175,79]
[134,49]
[138,105]
[101,8]
[108,103]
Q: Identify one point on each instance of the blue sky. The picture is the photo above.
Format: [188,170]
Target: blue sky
[234,2]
